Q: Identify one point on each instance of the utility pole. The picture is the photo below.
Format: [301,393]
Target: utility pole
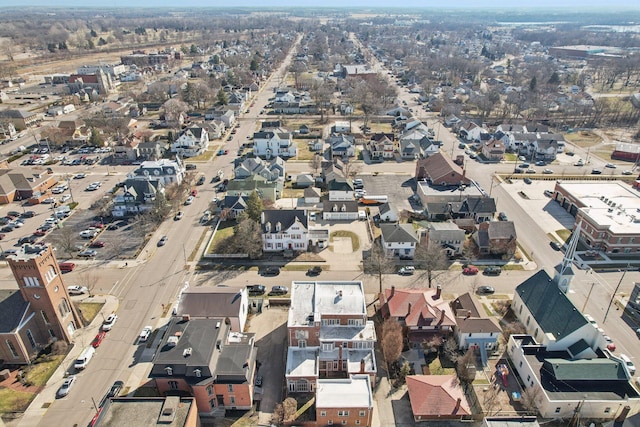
[614,294]
[588,295]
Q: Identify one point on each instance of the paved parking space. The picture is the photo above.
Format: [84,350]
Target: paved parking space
[398,188]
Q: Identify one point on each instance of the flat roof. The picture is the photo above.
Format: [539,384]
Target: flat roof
[302,362]
[442,193]
[354,392]
[612,204]
[311,298]
[144,411]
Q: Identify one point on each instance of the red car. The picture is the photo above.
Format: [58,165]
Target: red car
[39,232]
[96,225]
[470,270]
[2,235]
[97,244]
[98,339]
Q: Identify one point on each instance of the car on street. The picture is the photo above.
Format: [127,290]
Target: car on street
[201,180]
[470,270]
[259,381]
[610,166]
[256,290]
[278,290]
[555,245]
[108,323]
[314,271]
[97,340]
[66,386]
[407,270]
[503,216]
[270,271]
[178,216]
[163,241]
[485,290]
[77,290]
[547,171]
[88,253]
[114,391]
[189,200]
[596,171]
[145,334]
[492,271]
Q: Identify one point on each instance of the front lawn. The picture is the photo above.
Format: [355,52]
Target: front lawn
[14,401]
[42,369]
[355,241]
[89,310]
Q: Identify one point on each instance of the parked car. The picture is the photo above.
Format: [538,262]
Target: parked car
[27,239]
[97,244]
[89,233]
[66,386]
[163,241]
[548,193]
[407,270]
[527,181]
[88,253]
[108,323]
[314,271]
[98,339]
[114,391]
[555,245]
[627,172]
[259,381]
[178,216]
[278,290]
[28,214]
[145,334]
[201,180]
[256,289]
[492,271]
[596,171]
[270,271]
[485,290]
[610,166]
[76,289]
[189,200]
[503,216]
[470,270]
[547,171]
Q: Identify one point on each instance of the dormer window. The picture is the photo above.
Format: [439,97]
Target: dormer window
[344,208]
[335,208]
[278,226]
[197,372]
[169,370]
[267,227]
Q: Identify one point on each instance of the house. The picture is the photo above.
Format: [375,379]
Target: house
[409,150]
[341,127]
[215,128]
[271,170]
[342,146]
[148,411]
[206,302]
[398,240]
[340,189]
[439,169]
[164,170]
[270,144]
[345,210]
[493,150]
[21,119]
[388,214]
[312,195]
[271,190]
[452,121]
[136,196]
[151,150]
[59,110]
[226,116]
[235,205]
[304,180]
[344,401]
[448,235]
[284,229]
[496,238]
[474,329]
[329,336]
[39,310]
[480,208]
[470,131]
[192,142]
[205,359]
[381,146]
[437,397]
[424,315]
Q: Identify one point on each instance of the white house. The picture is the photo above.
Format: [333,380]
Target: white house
[398,240]
[271,170]
[340,189]
[58,110]
[192,142]
[270,144]
[284,229]
[167,171]
[448,235]
[473,327]
[388,213]
[340,211]
[341,126]
[311,195]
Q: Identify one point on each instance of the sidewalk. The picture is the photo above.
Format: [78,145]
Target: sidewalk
[38,407]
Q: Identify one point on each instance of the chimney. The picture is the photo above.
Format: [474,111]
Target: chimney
[458,402]
[409,309]
[438,292]
[468,314]
[442,314]
[393,292]
[186,317]
[361,366]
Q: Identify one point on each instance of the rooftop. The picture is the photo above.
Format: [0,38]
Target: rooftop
[354,392]
[146,411]
[309,299]
[302,362]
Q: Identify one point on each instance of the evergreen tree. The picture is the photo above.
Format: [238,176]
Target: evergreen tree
[254,207]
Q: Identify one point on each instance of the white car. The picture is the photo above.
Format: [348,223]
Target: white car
[108,323]
[189,200]
[65,198]
[77,290]
[66,386]
[48,201]
[144,335]
[88,234]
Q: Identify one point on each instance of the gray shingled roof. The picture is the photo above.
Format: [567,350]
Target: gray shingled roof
[398,233]
[12,308]
[286,218]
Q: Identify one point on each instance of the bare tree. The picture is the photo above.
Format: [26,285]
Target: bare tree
[315,163]
[512,328]
[450,349]
[277,417]
[465,368]
[65,239]
[290,406]
[391,341]
[378,263]
[89,279]
[530,399]
[432,258]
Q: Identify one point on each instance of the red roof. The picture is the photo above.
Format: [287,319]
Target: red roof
[437,396]
[86,78]
[419,307]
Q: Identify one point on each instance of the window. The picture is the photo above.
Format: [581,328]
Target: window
[358,422]
[344,422]
[232,400]
[329,322]
[31,281]
[607,410]
[343,413]
[344,344]
[212,403]
[12,349]
[173,385]
[230,388]
[169,370]
[355,322]
[558,409]
[330,422]
[302,343]
[327,346]
[209,390]
[361,413]
[323,413]
[44,316]
[32,341]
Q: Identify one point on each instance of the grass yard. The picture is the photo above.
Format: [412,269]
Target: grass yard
[435,368]
[40,372]
[206,156]
[221,234]
[14,401]
[89,310]
[303,149]
[583,139]
[355,241]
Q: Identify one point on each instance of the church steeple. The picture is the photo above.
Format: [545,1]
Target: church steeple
[563,271]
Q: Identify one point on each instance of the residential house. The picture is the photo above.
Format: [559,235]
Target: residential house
[225,115]
[192,142]
[480,208]
[304,180]
[21,119]
[345,210]
[71,132]
[439,169]
[284,229]
[471,131]
[381,146]
[271,190]
[268,144]
[474,329]
[148,411]
[235,205]
[388,213]
[493,150]
[562,354]
[151,150]
[205,359]
[215,128]
[115,109]
[126,150]
[136,196]
[344,401]
[342,146]
[452,121]
[164,170]
[547,146]
[340,189]
[271,170]
[398,240]
[448,235]
[330,171]
[424,315]
[496,238]
[237,101]
[39,310]
[437,397]
[59,110]
[312,195]
[207,302]
[409,150]
[329,336]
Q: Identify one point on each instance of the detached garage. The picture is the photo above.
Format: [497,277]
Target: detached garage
[340,210]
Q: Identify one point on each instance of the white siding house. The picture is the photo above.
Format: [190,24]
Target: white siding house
[192,142]
[285,229]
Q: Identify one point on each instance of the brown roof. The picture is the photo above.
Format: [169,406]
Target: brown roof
[439,165]
[436,396]
[210,302]
[471,317]
[418,307]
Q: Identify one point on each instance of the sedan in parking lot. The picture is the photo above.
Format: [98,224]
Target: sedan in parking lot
[97,244]
[547,171]
[278,290]
[77,290]
[610,166]
[596,171]
[88,253]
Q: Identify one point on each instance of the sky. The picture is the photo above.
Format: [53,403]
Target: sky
[578,5]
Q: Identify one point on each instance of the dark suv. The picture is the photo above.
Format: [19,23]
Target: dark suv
[270,271]
[279,290]
[314,271]
[492,271]
[256,289]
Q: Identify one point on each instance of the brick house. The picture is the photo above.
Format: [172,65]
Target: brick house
[347,402]
[439,169]
[496,237]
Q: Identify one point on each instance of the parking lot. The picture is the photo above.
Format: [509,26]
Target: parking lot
[398,189]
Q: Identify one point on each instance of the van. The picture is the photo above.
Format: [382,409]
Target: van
[83,360]
[66,267]
[362,215]
[628,364]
